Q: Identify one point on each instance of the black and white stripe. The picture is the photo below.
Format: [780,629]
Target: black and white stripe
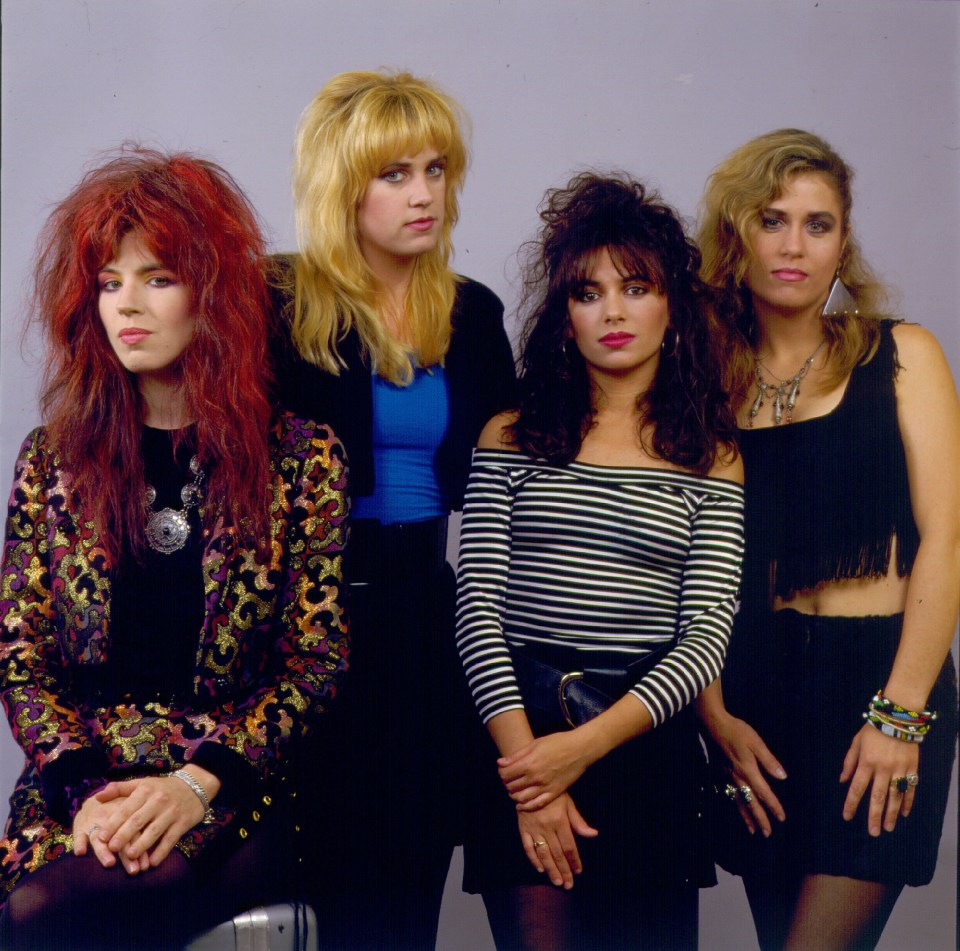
[596,558]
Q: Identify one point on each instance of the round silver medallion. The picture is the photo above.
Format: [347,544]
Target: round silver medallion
[167,531]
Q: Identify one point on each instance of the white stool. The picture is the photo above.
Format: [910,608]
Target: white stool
[290,927]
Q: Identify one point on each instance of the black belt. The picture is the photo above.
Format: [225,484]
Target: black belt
[375,547]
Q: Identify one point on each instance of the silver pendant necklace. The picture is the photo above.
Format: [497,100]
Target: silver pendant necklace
[784,393]
[169,529]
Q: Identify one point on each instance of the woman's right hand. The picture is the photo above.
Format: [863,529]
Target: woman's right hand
[749,763]
[88,824]
[547,837]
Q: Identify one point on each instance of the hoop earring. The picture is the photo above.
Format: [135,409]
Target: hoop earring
[674,348]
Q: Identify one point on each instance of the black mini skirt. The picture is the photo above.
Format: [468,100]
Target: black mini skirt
[648,799]
[803,683]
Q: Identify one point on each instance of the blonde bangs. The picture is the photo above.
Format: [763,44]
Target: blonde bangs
[356,125]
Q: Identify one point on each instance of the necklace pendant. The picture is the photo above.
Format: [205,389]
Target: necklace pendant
[167,531]
[191,495]
[778,408]
[792,397]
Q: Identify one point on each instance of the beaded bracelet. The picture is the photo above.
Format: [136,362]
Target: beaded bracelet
[882,703]
[198,790]
[891,719]
[889,730]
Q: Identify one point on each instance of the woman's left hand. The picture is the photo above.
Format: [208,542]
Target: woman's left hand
[155,811]
[544,769]
[872,762]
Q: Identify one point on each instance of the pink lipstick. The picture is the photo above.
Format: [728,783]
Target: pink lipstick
[421,224]
[133,335]
[616,340]
[790,274]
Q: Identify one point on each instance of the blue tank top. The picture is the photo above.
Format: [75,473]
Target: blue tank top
[409,423]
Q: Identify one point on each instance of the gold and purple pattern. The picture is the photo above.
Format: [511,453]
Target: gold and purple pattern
[271,651]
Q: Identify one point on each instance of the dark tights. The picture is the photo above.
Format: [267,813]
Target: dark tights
[827,912]
[75,904]
[544,918]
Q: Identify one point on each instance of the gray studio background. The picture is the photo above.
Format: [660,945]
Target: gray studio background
[663,88]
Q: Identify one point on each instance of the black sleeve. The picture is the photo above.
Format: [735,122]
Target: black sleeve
[344,402]
[482,378]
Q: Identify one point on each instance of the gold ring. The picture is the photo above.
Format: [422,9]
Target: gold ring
[899,783]
[539,844]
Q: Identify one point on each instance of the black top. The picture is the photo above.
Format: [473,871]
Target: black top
[156,608]
[826,496]
[479,370]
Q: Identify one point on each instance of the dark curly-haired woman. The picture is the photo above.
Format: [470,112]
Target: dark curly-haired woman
[600,556]
[170,622]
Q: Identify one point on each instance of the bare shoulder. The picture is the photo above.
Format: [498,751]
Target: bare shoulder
[917,347]
[728,465]
[497,434]
[924,373]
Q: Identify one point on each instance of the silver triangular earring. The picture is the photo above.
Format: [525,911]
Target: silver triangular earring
[839,301]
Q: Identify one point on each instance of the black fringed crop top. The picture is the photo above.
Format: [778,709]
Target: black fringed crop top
[825,497]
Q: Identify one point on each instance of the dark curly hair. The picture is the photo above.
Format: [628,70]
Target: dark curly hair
[686,403]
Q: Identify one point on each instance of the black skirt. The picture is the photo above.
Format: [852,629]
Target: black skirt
[647,799]
[387,769]
[803,682]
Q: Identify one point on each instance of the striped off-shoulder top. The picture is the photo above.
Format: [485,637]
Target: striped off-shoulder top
[596,558]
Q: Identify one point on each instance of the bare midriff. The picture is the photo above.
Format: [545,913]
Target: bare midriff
[853,597]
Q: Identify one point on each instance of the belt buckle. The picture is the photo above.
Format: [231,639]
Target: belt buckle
[565,682]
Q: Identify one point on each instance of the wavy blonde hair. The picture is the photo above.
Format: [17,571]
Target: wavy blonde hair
[738,189]
[356,124]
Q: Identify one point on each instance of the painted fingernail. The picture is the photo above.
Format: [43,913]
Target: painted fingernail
[780,774]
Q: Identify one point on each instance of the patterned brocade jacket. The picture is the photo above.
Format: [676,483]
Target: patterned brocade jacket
[271,651]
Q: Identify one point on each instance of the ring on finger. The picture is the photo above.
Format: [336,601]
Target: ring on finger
[747,794]
[913,779]
[540,843]
[91,830]
[900,784]
[730,791]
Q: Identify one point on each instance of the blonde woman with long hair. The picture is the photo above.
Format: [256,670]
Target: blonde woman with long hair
[835,769]
[410,359]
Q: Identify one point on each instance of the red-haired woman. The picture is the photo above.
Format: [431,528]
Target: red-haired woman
[169,601]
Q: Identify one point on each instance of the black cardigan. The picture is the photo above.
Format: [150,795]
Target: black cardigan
[479,369]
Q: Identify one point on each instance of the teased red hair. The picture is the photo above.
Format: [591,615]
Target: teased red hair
[198,222]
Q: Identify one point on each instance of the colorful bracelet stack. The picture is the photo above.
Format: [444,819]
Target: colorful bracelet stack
[891,719]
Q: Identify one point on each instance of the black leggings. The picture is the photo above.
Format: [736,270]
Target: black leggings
[75,903]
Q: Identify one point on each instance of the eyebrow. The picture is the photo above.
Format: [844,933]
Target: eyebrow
[143,269]
[779,212]
[407,163]
[624,279]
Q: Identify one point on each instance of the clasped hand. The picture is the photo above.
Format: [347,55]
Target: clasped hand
[137,821]
[544,769]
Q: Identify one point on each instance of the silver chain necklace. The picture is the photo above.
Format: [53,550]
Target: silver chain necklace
[783,393]
[169,529]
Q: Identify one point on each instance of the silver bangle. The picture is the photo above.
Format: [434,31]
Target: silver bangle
[185,777]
